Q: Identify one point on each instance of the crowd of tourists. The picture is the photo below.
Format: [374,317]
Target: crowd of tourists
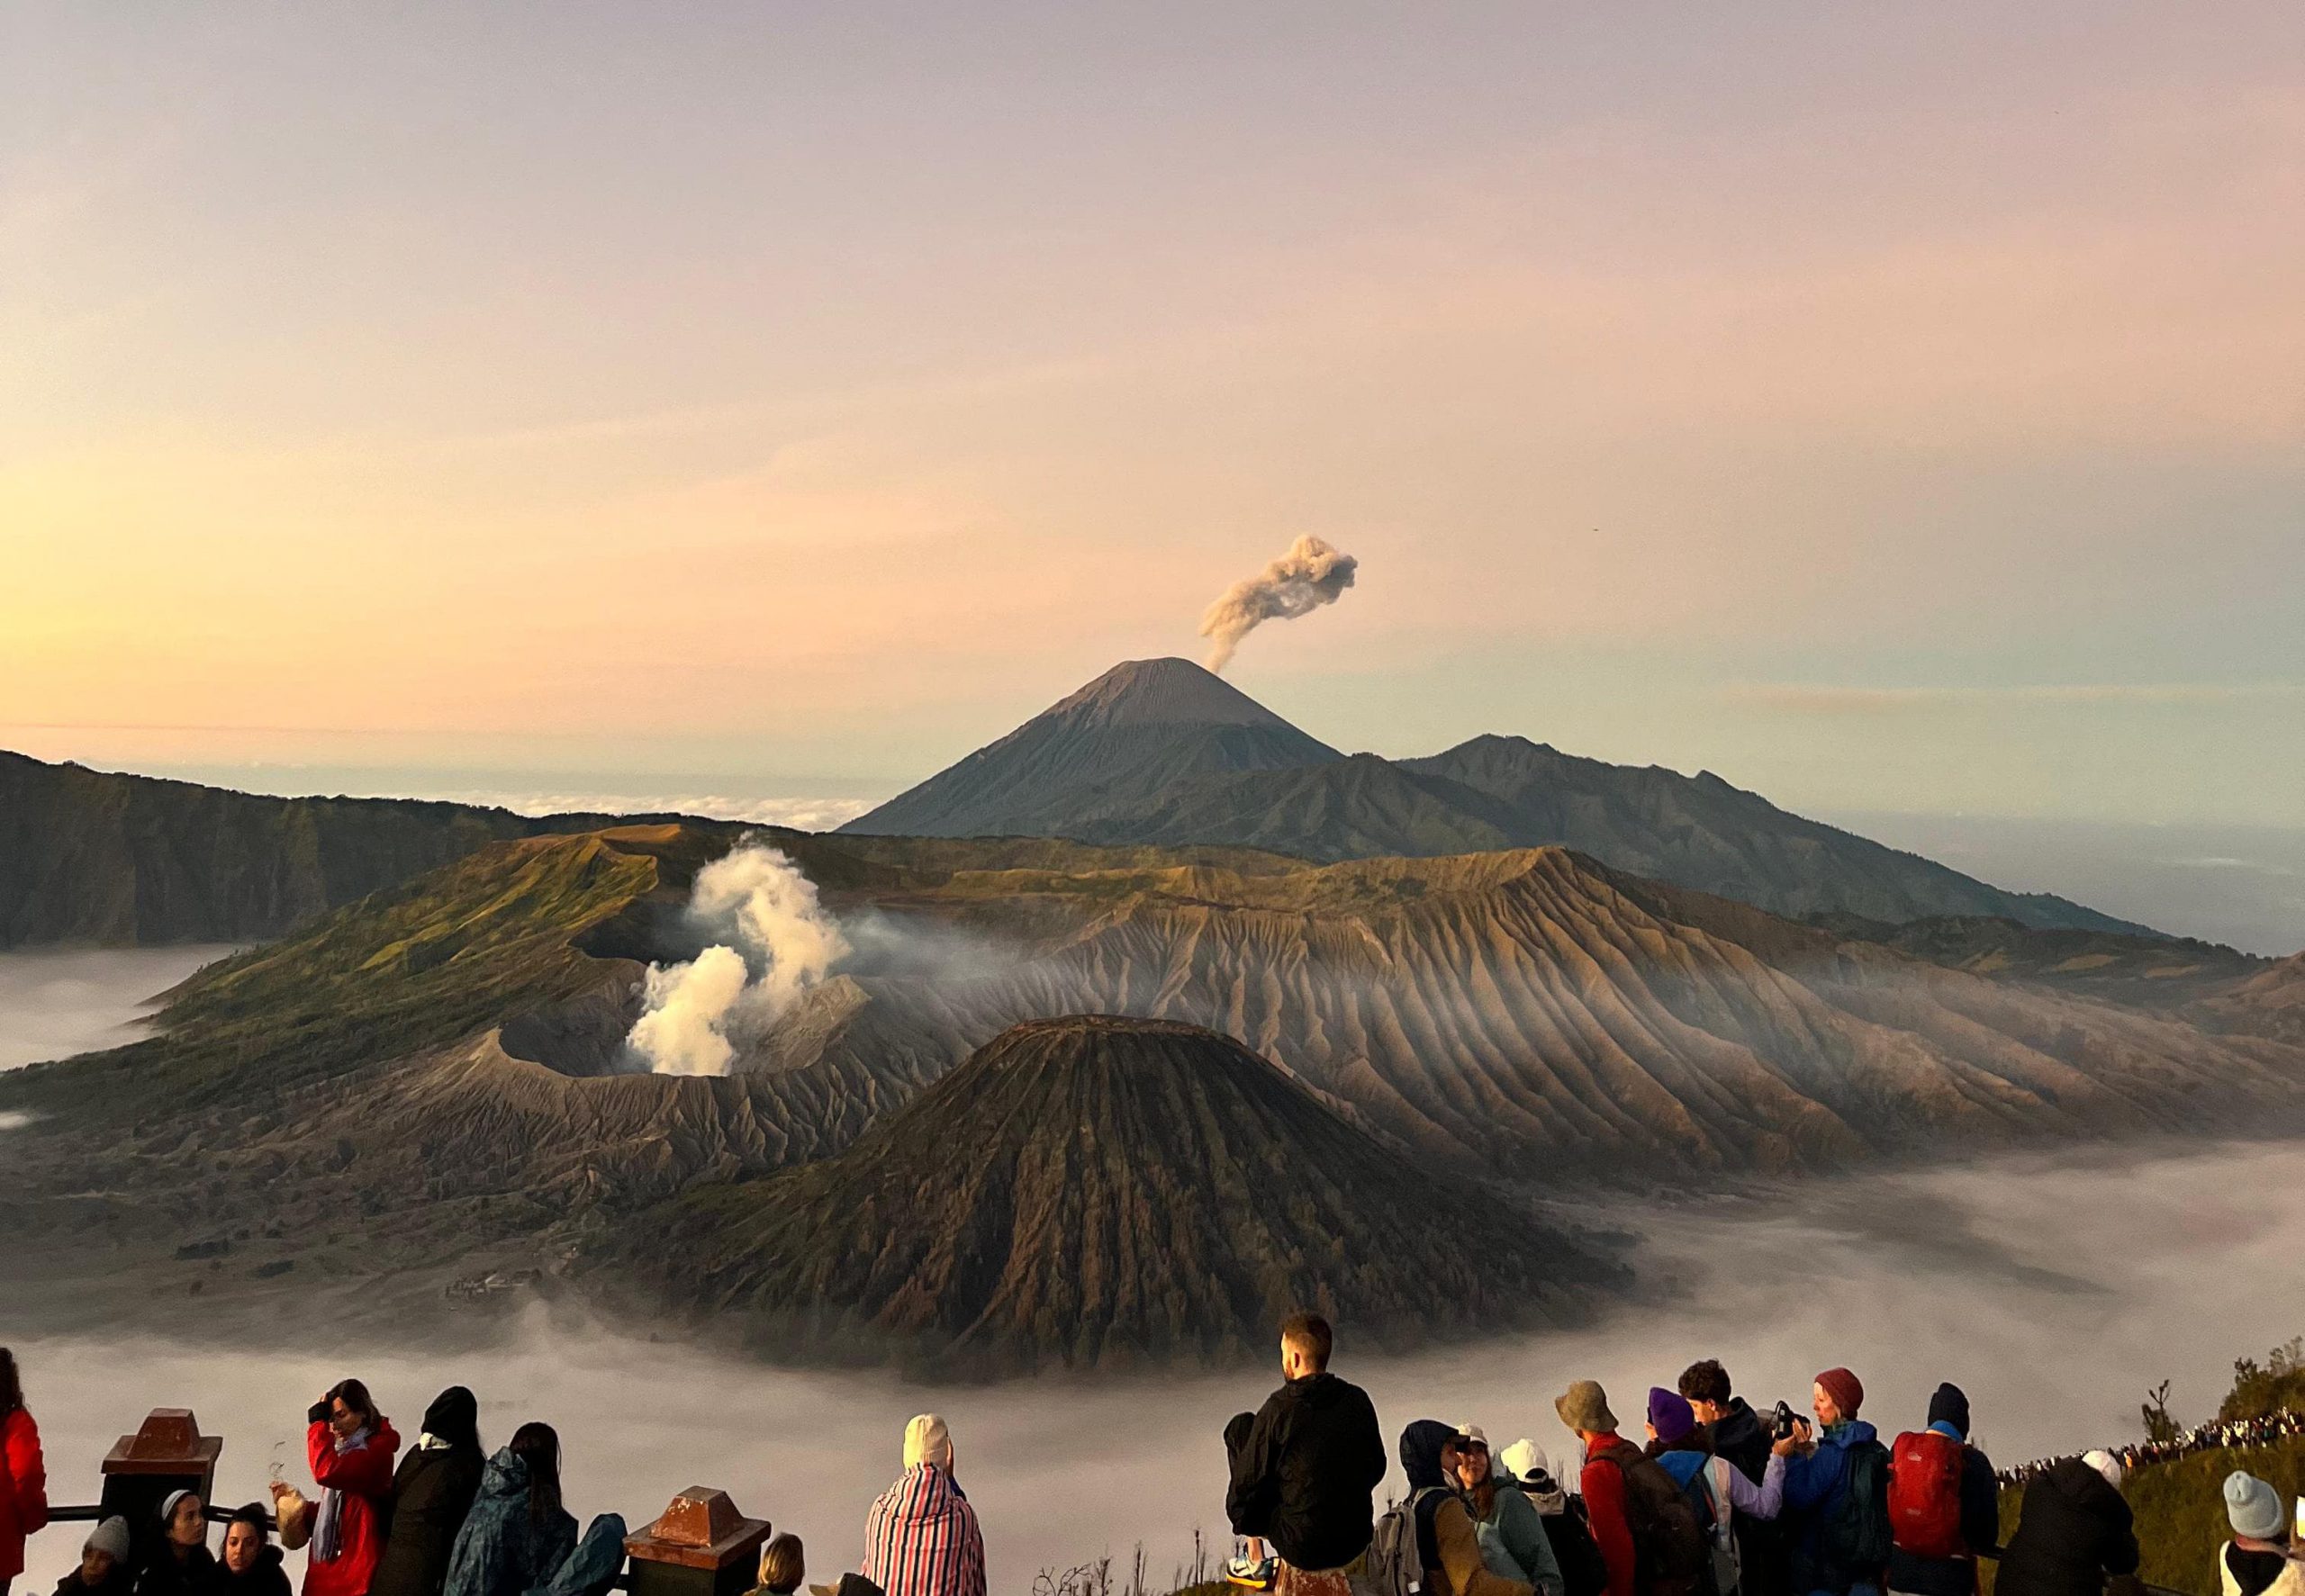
[1710,1499]
[2217,1435]
[445,1517]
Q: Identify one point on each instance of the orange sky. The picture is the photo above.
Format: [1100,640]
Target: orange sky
[1894,409]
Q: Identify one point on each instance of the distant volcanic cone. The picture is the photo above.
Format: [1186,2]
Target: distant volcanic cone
[1097,1191]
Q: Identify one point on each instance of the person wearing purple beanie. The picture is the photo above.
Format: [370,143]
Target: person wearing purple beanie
[1683,1449]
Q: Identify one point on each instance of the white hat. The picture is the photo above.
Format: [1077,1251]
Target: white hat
[1525,1459]
[927,1441]
[2105,1464]
[1472,1432]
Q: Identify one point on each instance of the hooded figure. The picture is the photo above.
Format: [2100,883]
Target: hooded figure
[593,1567]
[432,1491]
[506,1545]
[1447,1541]
[2075,1529]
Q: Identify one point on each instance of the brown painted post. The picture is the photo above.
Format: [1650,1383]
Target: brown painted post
[168,1454]
[700,1546]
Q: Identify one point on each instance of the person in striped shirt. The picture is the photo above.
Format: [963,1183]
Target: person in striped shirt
[921,1536]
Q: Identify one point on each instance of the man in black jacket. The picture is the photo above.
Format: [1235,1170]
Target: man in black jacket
[1914,1574]
[1305,1469]
[2074,1531]
[1738,1436]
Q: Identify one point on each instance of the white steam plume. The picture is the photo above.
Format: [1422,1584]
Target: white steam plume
[777,942]
[1312,573]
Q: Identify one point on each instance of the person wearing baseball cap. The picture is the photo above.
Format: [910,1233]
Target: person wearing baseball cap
[1837,1496]
[1511,1533]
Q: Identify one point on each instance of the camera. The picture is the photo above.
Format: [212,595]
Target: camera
[1783,1422]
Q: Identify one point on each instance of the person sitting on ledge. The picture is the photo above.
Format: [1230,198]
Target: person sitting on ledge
[106,1567]
[250,1565]
[183,1566]
[921,1538]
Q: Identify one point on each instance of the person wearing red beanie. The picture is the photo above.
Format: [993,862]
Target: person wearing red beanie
[1834,1546]
[1844,1391]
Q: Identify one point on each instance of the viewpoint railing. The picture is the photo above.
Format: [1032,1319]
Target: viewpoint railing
[700,1545]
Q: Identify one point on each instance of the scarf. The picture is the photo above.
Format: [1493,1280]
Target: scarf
[328,1543]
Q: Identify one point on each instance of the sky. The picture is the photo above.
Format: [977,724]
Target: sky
[1891,409]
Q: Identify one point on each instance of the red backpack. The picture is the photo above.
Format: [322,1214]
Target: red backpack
[1925,1496]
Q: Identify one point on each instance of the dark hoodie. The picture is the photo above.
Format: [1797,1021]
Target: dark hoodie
[120,1581]
[2075,1531]
[432,1491]
[1738,1436]
[1446,1539]
[266,1578]
[1305,1471]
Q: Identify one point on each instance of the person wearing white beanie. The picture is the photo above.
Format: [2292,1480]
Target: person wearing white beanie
[921,1536]
[2260,1560]
[2073,1531]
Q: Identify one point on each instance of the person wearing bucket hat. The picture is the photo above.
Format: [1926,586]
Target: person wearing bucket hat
[2073,1531]
[105,1568]
[1630,1502]
[2259,1560]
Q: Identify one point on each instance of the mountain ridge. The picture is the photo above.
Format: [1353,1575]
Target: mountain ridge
[1495,791]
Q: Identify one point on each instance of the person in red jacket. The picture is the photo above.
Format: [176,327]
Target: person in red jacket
[24,1475]
[1583,1407]
[352,1446]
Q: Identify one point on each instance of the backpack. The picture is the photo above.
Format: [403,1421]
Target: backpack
[1583,1569]
[1672,1552]
[1925,1496]
[1709,1486]
[1855,1539]
[1394,1565]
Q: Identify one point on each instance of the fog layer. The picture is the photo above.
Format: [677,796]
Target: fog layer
[2055,1293]
[54,1004]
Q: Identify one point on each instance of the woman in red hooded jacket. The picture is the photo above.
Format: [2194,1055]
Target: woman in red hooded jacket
[24,1475]
[351,1447]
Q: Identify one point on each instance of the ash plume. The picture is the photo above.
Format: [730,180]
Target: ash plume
[1312,573]
[778,941]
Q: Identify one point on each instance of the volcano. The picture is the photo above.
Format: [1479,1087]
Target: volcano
[1120,743]
[1096,1192]
[1161,753]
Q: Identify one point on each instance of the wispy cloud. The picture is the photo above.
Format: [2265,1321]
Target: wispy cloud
[1815,699]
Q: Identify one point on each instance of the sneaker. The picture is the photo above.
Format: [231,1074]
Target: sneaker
[1255,1572]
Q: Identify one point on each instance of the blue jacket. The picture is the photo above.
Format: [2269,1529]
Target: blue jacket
[501,1551]
[1814,1485]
